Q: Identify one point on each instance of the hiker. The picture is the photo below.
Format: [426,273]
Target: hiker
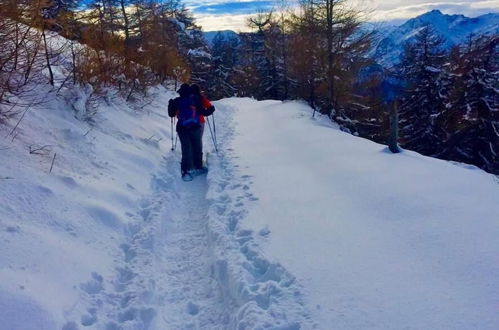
[189,109]
[196,91]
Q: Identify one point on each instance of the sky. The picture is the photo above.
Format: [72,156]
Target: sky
[214,15]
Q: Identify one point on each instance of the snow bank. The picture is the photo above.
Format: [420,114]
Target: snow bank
[338,227]
[63,233]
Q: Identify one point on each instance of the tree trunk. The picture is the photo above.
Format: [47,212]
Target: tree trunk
[73,55]
[47,57]
[126,22]
[330,59]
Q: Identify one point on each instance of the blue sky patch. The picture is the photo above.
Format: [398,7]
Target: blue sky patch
[235,8]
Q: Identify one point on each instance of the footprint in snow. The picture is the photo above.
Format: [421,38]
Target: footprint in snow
[192,309]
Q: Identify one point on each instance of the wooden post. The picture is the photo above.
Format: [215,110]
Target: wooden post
[394,130]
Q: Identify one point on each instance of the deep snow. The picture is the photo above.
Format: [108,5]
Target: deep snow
[296,226]
[377,240]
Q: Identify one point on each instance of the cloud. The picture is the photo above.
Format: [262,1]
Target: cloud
[203,3]
[234,8]
[223,15]
[224,22]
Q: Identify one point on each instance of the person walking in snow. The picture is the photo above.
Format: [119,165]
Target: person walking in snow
[189,109]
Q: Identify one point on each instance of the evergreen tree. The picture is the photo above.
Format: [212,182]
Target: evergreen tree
[424,103]
[225,57]
[264,58]
[247,74]
[275,51]
[257,60]
[194,48]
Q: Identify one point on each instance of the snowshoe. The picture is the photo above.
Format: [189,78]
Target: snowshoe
[186,176]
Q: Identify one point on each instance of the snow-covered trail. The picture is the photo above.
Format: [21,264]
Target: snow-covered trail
[112,238]
[164,277]
[192,298]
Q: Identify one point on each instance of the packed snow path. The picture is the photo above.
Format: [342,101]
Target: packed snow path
[165,277]
[192,297]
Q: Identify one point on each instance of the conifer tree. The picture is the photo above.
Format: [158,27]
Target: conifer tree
[424,102]
[193,47]
[225,57]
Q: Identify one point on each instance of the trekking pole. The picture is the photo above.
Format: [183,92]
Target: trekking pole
[176,139]
[214,129]
[172,133]
[211,133]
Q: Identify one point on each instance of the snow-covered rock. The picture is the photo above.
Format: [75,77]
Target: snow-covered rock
[210,35]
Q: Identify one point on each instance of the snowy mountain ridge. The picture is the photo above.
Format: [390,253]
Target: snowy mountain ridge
[454,29]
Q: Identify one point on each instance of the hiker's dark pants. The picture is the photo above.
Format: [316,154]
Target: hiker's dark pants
[192,147]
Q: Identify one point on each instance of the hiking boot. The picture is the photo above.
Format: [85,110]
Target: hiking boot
[186,176]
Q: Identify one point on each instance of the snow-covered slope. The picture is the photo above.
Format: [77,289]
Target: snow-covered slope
[69,238]
[297,226]
[375,240]
[454,29]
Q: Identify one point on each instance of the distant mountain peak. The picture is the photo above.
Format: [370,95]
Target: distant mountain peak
[433,12]
[454,29]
